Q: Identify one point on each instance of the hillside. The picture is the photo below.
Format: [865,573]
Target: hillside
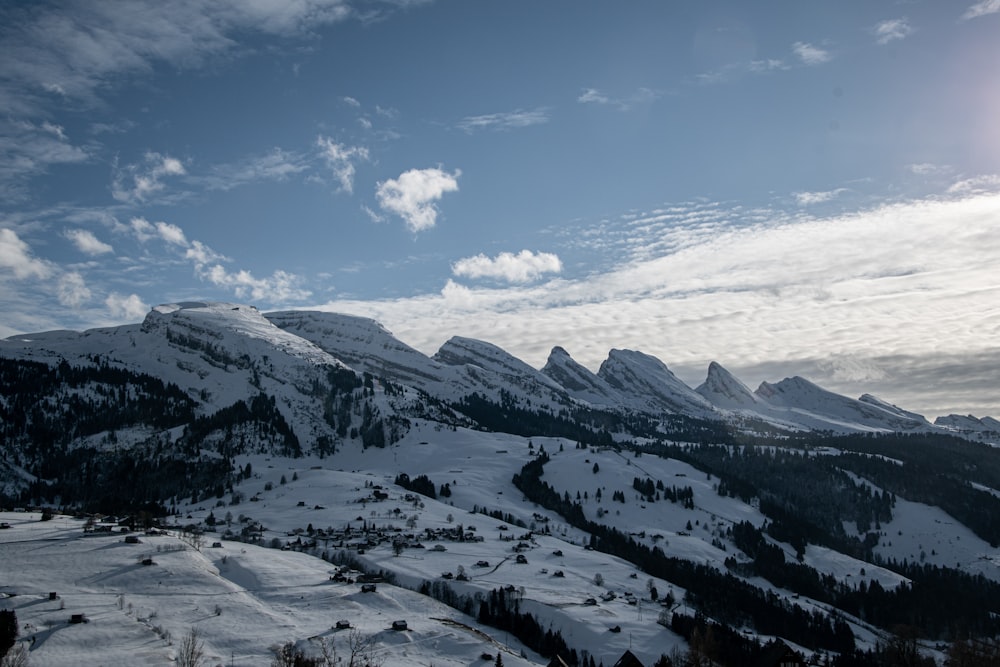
[618,509]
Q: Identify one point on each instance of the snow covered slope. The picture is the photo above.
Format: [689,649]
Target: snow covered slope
[648,385]
[800,401]
[490,364]
[579,382]
[218,353]
[724,390]
[368,347]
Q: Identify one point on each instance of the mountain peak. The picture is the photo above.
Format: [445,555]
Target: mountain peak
[724,390]
[652,384]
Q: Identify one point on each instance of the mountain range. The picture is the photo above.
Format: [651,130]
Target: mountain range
[218,353]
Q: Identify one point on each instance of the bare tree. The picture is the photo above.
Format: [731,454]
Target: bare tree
[16,657]
[362,650]
[191,652]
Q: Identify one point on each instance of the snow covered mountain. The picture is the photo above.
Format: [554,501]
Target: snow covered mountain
[651,386]
[799,401]
[579,382]
[969,424]
[219,353]
[724,390]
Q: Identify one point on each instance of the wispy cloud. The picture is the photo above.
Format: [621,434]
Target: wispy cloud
[593,96]
[982,8]
[28,149]
[505,121]
[276,165]
[640,96]
[74,49]
[412,195]
[135,183]
[340,159]
[892,30]
[810,198]
[87,243]
[523,267]
[976,184]
[928,168]
[809,54]
[732,70]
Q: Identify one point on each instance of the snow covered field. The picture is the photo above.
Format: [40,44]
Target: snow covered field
[246,600]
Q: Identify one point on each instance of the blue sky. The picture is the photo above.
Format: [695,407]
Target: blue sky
[794,187]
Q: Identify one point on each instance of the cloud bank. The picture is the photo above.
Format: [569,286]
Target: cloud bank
[889,289]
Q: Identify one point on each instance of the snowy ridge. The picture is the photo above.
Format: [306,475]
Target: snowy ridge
[366,346]
[223,352]
[502,371]
[579,382]
[725,390]
[969,424]
[219,353]
[804,402]
[652,386]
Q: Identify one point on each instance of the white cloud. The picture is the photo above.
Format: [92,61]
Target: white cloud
[413,194]
[892,30]
[72,290]
[122,307]
[523,267]
[15,255]
[350,101]
[281,287]
[982,8]
[136,183]
[809,54]
[200,254]
[504,121]
[340,159]
[171,233]
[142,228]
[87,243]
[810,198]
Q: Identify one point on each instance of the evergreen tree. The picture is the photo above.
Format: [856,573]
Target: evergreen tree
[8,630]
